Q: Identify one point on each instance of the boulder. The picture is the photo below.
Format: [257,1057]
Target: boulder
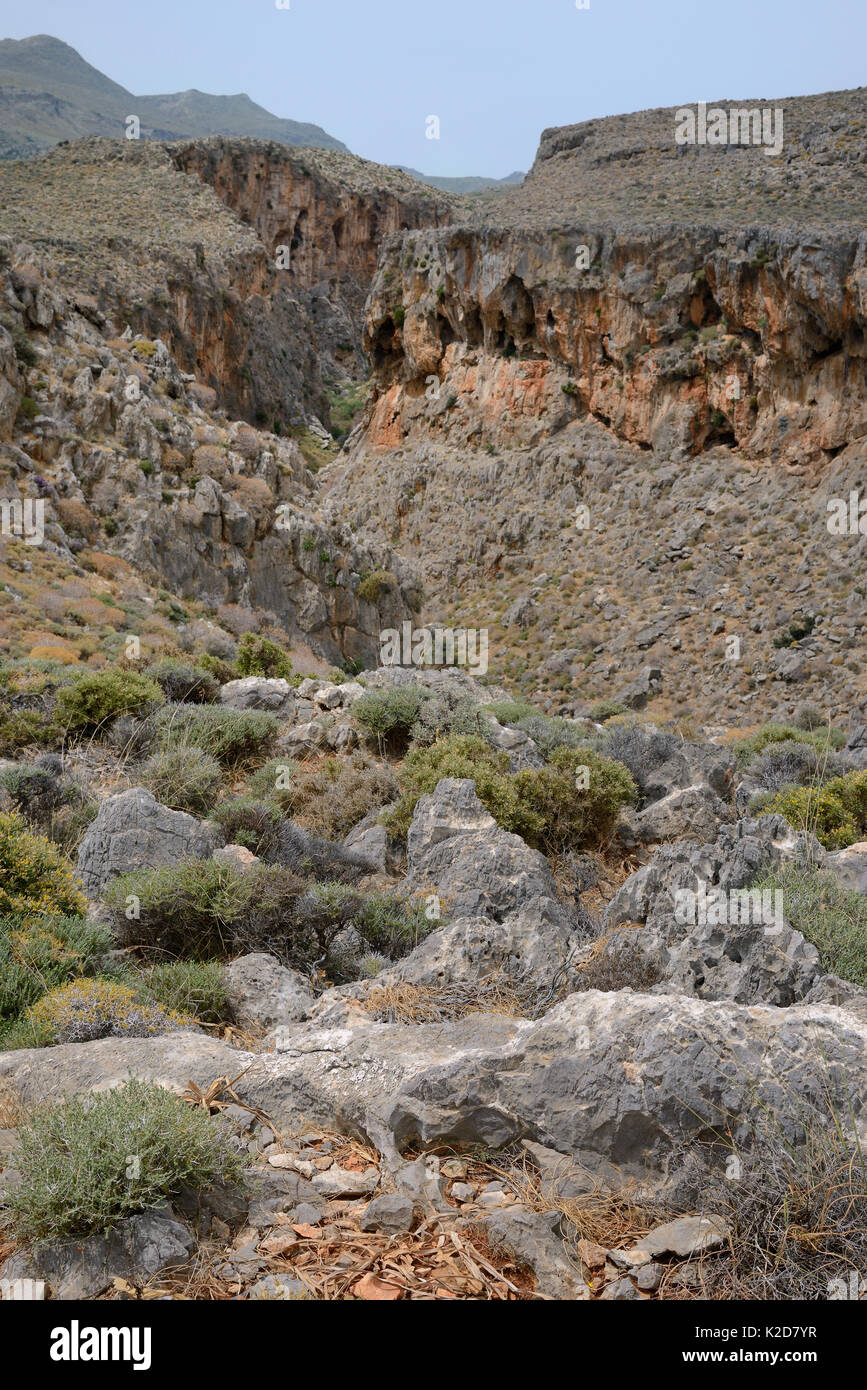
[687,811]
[138,1247]
[259,692]
[627,1077]
[747,961]
[262,993]
[646,685]
[850,866]
[133,831]
[77,1068]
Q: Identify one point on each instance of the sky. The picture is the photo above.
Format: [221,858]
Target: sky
[494,72]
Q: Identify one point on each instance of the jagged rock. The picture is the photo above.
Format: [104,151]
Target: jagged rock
[455,847]
[258,692]
[646,684]
[372,843]
[447,679]
[10,385]
[850,866]
[690,811]
[625,1076]
[686,1236]
[521,749]
[302,741]
[500,893]
[621,1075]
[529,1237]
[392,1213]
[133,831]
[138,1247]
[262,993]
[342,738]
[747,961]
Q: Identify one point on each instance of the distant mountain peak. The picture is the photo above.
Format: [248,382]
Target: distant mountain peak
[49,93]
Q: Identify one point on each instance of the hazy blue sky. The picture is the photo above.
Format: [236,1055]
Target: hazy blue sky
[496,72]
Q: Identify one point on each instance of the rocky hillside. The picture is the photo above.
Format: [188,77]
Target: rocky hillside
[140,242]
[636,382]
[125,452]
[49,93]
[546,982]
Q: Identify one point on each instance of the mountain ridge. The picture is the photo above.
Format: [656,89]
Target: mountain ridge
[40,105]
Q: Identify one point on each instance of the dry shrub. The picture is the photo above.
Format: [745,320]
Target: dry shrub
[330,797]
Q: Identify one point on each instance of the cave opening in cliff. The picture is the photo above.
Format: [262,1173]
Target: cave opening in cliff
[474,334]
[339,230]
[445,332]
[299,235]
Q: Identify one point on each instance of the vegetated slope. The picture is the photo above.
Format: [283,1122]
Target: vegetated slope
[48,93]
[695,384]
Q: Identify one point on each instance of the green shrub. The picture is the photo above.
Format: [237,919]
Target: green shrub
[809,717]
[259,656]
[822,740]
[510,711]
[606,709]
[391,925]
[250,821]
[195,989]
[835,812]
[34,879]
[182,682]
[95,699]
[229,735]
[374,585]
[794,632]
[273,781]
[84,1010]
[447,713]
[389,714]
[463,756]
[49,800]
[22,728]
[203,909]
[545,806]
[87,1163]
[39,955]
[222,671]
[830,916]
[186,779]
[574,816]
[550,732]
